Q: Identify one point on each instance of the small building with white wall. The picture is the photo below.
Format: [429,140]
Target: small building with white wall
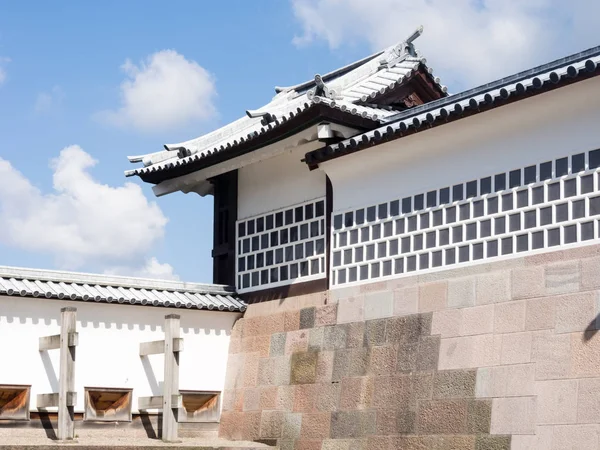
[114,315]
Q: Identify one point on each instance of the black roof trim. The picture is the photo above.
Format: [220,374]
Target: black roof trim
[396,127]
[273,132]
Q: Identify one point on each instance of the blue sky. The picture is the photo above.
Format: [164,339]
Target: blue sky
[62,69]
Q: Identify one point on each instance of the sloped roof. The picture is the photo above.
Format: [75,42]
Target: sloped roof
[353,90]
[111,289]
[525,84]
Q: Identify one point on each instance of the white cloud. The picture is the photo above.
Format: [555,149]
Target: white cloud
[163,92]
[81,222]
[466,41]
[151,269]
[47,101]
[3,74]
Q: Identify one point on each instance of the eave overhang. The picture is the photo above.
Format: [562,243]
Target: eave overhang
[311,115]
[554,75]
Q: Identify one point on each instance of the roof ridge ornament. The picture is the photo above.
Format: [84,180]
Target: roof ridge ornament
[402,50]
[321,90]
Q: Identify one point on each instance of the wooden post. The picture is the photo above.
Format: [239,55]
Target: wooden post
[66,407]
[171,379]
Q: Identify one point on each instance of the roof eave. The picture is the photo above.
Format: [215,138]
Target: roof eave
[392,131]
[310,116]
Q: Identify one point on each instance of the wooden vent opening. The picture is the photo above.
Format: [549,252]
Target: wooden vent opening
[200,406]
[108,404]
[14,402]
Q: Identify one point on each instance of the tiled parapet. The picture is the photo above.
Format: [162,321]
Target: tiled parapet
[483,357]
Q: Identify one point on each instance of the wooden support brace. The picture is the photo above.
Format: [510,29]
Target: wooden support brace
[157,402]
[158,347]
[154,402]
[51,400]
[53,342]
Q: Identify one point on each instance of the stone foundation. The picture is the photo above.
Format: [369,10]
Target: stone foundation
[492,356]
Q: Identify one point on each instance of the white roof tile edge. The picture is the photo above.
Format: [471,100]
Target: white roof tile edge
[289,101]
[103,288]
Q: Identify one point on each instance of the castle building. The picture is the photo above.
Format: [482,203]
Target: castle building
[422,269]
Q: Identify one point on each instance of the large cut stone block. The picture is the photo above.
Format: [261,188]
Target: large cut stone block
[350,363]
[315,338]
[515,415]
[576,312]
[277,344]
[307,318]
[407,329]
[479,416]
[305,398]
[556,401]
[292,320]
[271,424]
[315,425]
[461,292]
[304,368]
[454,384]
[487,442]
[494,287]
[379,305]
[552,355]
[433,296]
[447,323]
[395,392]
[541,313]
[334,337]
[509,317]
[406,301]
[562,277]
[590,268]
[356,393]
[296,341]
[580,437]
[327,396]
[528,282]
[428,353]
[585,357]
[477,320]
[351,309]
[325,366]
[383,360]
[352,424]
[516,348]
[326,315]
[375,332]
[588,404]
[251,425]
[292,423]
[442,417]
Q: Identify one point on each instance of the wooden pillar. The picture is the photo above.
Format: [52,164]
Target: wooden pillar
[66,406]
[171,380]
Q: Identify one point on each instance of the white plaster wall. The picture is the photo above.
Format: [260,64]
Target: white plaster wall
[550,125]
[108,351]
[278,182]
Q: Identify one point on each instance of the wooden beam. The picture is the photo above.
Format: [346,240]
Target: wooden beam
[53,342]
[157,402]
[154,402]
[51,400]
[49,342]
[158,347]
[47,400]
[152,348]
[171,379]
[66,392]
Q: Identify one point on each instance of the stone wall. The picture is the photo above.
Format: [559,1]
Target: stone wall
[492,356]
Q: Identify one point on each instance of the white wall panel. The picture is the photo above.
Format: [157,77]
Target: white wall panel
[108,351]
